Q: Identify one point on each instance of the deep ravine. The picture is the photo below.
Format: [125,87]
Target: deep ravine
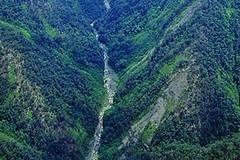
[110,79]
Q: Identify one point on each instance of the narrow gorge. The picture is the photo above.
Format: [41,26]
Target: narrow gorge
[119,79]
[110,83]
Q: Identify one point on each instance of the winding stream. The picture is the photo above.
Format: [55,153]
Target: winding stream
[110,79]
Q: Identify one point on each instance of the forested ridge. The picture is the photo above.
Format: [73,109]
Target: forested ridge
[51,78]
[200,35]
[177,93]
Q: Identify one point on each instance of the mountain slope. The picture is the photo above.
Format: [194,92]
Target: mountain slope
[122,79]
[199,35]
[51,78]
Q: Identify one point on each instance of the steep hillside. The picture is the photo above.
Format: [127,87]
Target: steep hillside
[51,86]
[119,79]
[152,45]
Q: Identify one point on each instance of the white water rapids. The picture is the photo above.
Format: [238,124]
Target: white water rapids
[110,79]
[107,5]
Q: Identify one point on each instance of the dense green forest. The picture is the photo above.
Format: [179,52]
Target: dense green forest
[178,69]
[151,42]
[51,78]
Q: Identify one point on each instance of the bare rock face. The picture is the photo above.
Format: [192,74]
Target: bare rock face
[177,84]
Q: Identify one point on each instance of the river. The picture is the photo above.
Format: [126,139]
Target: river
[110,79]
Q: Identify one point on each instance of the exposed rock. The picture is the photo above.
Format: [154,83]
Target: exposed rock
[177,84]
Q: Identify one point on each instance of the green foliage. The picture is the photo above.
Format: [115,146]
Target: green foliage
[229,12]
[24,6]
[10,97]
[78,134]
[140,37]
[6,137]
[60,85]
[12,74]
[51,31]
[227,148]
[226,80]
[170,105]
[53,111]
[171,66]
[29,115]
[187,34]
[25,32]
[16,28]
[149,131]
